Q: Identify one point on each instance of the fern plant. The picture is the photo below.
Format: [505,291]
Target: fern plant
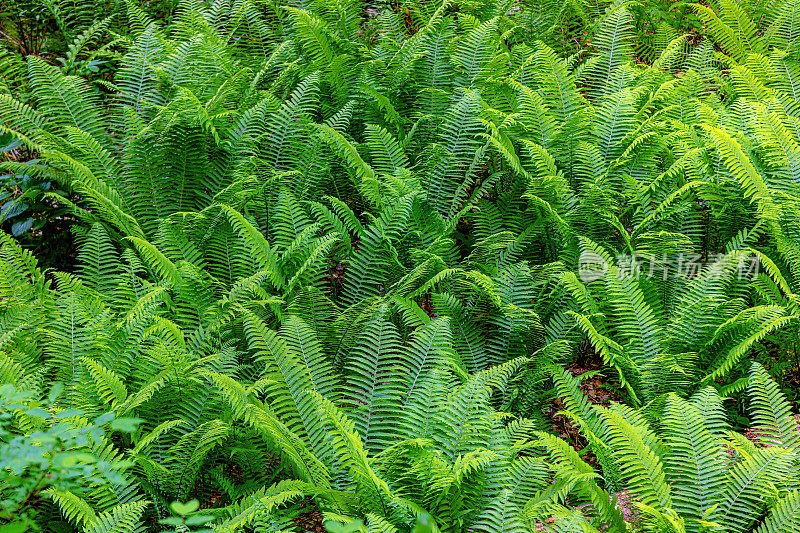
[691,472]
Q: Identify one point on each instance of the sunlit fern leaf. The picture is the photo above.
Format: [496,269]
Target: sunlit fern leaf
[263,502]
[240,138]
[556,84]
[746,329]
[370,393]
[255,37]
[431,346]
[263,254]
[468,341]
[771,412]
[110,387]
[284,128]
[377,524]
[314,35]
[710,407]
[413,417]
[613,41]
[639,324]
[349,448]
[289,220]
[364,178]
[732,29]
[159,264]
[99,260]
[787,74]
[230,258]
[386,153]
[137,78]
[289,380]
[332,223]
[460,138]
[784,517]
[292,446]
[80,330]
[695,462]
[368,273]
[437,71]
[74,508]
[465,421]
[68,99]
[188,455]
[123,517]
[567,520]
[22,281]
[580,410]
[474,52]
[570,466]
[637,451]
[176,244]
[527,479]
[613,121]
[302,340]
[516,326]
[704,304]
[746,486]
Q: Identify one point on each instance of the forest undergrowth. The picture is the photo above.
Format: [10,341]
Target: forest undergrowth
[409,266]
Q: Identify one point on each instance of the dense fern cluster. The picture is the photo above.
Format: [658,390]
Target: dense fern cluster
[338,255]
